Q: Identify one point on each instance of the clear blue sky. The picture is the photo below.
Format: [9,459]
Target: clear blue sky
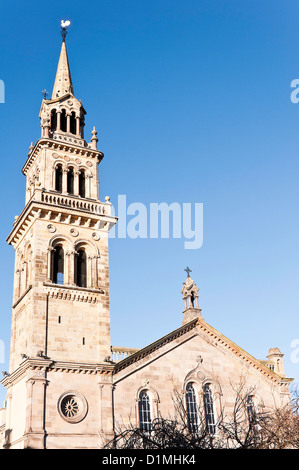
[192,103]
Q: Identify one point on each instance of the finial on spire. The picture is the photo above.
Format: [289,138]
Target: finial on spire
[188,271]
[63,82]
[64,25]
[94,138]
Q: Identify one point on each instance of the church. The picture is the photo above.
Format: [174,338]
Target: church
[67,387]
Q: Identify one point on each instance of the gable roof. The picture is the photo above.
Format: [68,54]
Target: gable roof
[200,324]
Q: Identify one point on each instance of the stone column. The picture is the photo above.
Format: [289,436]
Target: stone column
[76,182]
[58,120]
[49,264]
[29,387]
[78,126]
[89,276]
[64,180]
[67,268]
[96,274]
[88,185]
[18,284]
[106,410]
[68,123]
[35,425]
[73,273]
[46,131]
[8,424]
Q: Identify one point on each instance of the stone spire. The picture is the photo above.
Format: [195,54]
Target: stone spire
[63,81]
[63,113]
[190,297]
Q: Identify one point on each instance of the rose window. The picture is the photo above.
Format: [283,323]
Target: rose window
[72,407]
[69,406]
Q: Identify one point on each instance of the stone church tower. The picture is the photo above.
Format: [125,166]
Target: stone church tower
[60,307]
[67,387]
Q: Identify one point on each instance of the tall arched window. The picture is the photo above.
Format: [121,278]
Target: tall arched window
[73,123]
[82,183]
[145,422]
[80,268]
[58,178]
[192,408]
[82,126]
[58,265]
[250,408]
[63,121]
[209,409]
[53,120]
[70,181]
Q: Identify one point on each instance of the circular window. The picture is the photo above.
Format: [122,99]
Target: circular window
[72,407]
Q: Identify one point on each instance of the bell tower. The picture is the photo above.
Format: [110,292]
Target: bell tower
[60,332]
[190,297]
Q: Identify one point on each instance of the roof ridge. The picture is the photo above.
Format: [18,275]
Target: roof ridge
[155,345]
[210,330]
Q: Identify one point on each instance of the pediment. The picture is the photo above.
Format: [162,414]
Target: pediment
[205,333]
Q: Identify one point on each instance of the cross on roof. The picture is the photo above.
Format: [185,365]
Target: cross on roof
[188,271]
[45,93]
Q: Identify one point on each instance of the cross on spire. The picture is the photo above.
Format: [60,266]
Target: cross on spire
[63,81]
[188,271]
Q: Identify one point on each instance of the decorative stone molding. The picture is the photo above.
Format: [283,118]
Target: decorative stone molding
[74,294]
[51,228]
[74,232]
[68,144]
[91,214]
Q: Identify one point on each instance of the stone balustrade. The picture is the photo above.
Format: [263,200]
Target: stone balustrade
[72,202]
[120,353]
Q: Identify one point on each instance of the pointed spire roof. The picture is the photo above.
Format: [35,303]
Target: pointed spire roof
[63,81]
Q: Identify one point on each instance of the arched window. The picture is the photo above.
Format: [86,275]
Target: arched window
[20,272]
[250,408]
[192,408]
[145,422]
[58,265]
[70,181]
[73,123]
[29,266]
[80,268]
[82,183]
[63,121]
[209,409]
[58,178]
[82,126]
[53,120]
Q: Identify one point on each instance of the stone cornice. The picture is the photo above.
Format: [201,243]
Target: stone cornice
[74,293]
[42,364]
[69,147]
[200,325]
[34,207]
